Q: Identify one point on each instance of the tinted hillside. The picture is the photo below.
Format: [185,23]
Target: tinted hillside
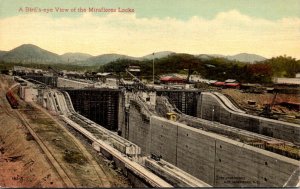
[2,53]
[245,57]
[29,53]
[242,57]
[158,55]
[104,59]
[75,57]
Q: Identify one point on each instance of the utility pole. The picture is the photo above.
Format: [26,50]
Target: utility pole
[153,69]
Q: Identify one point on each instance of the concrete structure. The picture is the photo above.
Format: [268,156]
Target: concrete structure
[29,94]
[173,174]
[212,107]
[194,154]
[212,158]
[216,160]
[40,79]
[69,83]
[124,153]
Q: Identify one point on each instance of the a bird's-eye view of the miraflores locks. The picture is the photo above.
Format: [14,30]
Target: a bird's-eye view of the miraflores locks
[152,93]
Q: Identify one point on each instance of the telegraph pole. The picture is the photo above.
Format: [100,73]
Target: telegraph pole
[153,68]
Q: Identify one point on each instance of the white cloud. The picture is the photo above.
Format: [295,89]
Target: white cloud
[228,33]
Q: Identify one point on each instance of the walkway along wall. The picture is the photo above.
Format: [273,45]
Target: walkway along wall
[210,107]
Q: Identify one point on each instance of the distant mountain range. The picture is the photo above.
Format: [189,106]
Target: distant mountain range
[242,57]
[29,53]
[245,57]
[161,54]
[104,59]
[2,53]
[75,57]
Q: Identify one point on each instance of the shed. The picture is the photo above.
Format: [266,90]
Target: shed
[172,79]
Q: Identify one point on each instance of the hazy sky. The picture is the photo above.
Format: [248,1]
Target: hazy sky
[265,27]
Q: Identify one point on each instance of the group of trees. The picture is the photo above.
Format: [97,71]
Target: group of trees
[68,67]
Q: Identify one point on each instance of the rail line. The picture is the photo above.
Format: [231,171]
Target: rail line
[100,172]
[95,134]
[139,170]
[100,132]
[61,172]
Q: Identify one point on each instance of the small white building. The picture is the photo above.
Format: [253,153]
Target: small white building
[283,80]
[28,94]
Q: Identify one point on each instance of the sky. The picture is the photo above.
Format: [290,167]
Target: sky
[265,27]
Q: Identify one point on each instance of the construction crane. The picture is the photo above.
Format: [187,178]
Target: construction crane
[267,110]
[55,72]
[139,84]
[132,75]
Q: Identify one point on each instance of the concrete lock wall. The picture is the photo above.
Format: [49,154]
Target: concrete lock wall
[62,83]
[217,160]
[138,128]
[48,80]
[211,108]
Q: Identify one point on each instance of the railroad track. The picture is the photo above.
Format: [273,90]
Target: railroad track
[53,161]
[4,106]
[98,134]
[133,166]
[103,177]
[95,133]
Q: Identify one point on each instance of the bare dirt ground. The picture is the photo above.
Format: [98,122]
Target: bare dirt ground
[24,164]
[266,98]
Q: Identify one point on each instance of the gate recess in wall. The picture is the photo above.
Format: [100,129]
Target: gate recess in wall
[184,100]
[99,105]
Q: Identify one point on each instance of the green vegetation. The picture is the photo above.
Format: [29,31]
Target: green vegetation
[284,66]
[210,68]
[68,67]
[213,68]
[74,157]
